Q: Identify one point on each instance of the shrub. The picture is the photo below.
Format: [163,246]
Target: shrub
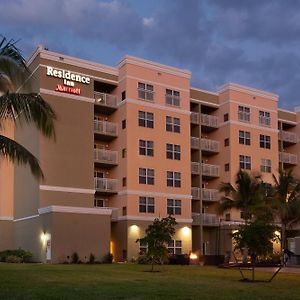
[18,255]
[107,258]
[92,258]
[74,258]
[143,260]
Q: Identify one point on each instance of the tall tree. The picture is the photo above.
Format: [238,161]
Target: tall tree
[248,195]
[19,104]
[158,236]
[285,202]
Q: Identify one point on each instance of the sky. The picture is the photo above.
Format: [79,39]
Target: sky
[249,42]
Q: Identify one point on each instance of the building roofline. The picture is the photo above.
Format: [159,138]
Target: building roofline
[71,60]
[204,91]
[153,65]
[243,88]
[288,111]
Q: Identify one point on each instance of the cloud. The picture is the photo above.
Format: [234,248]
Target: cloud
[255,42]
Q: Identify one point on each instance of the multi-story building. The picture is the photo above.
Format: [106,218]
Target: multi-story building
[133,143]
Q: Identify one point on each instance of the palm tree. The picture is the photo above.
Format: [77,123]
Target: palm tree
[285,202]
[18,104]
[248,196]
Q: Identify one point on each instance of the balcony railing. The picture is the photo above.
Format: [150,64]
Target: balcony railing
[209,121]
[106,156]
[288,158]
[210,219]
[105,99]
[207,219]
[173,100]
[105,128]
[210,145]
[210,170]
[195,142]
[105,185]
[289,137]
[195,168]
[195,119]
[209,194]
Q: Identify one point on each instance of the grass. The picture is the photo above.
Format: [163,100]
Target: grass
[130,281]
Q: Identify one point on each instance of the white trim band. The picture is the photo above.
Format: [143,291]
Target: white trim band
[74,210]
[151,219]
[66,189]
[26,218]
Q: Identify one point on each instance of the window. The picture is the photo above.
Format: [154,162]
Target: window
[146,176]
[175,247]
[173,151]
[264,118]
[244,113]
[265,141]
[145,91]
[146,205]
[244,137]
[124,181]
[143,247]
[172,97]
[265,165]
[173,179]
[226,142]
[245,162]
[99,202]
[123,96]
[123,152]
[173,207]
[172,124]
[226,117]
[146,119]
[146,148]
[226,167]
[123,124]
[227,217]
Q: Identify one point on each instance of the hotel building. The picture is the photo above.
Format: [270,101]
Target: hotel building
[133,143]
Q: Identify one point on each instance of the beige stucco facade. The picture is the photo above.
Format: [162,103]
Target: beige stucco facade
[103,186]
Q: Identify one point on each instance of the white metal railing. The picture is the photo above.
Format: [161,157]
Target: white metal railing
[209,194]
[105,184]
[207,219]
[195,167]
[210,145]
[210,170]
[287,136]
[210,219]
[105,99]
[265,121]
[172,100]
[209,120]
[288,158]
[105,127]
[195,142]
[145,94]
[106,156]
[195,118]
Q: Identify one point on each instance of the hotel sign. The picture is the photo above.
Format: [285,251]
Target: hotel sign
[69,78]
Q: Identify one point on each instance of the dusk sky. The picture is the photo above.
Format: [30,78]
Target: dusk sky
[250,42]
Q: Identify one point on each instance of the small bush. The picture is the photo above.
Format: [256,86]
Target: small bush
[143,260]
[92,258]
[18,255]
[107,258]
[75,258]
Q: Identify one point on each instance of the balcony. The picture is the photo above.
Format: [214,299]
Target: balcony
[288,158]
[105,103]
[209,121]
[210,219]
[210,195]
[195,119]
[209,147]
[105,130]
[210,170]
[195,142]
[207,170]
[105,186]
[105,158]
[207,219]
[288,137]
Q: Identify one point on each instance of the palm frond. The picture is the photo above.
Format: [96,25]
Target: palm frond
[31,108]
[15,152]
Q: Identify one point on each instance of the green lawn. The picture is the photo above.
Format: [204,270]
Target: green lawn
[129,281]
